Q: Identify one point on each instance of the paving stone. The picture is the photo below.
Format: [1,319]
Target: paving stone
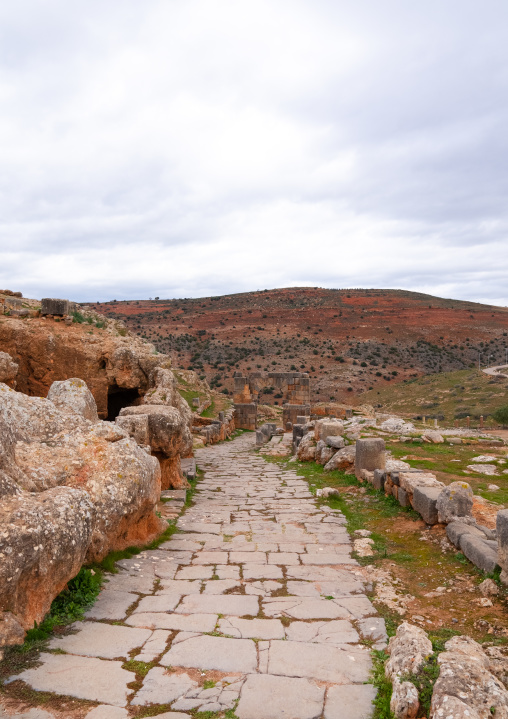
[338,631]
[181,587]
[260,571]
[80,677]
[359,606]
[160,603]
[107,712]
[128,583]
[315,573]
[270,697]
[211,558]
[283,558]
[94,639]
[35,713]
[304,608]
[251,557]
[199,527]
[195,572]
[225,571]
[374,629]
[174,715]
[176,622]
[156,645]
[263,589]
[350,701]
[206,652]
[323,662]
[252,628]
[219,586]
[303,589]
[161,687]
[233,604]
[111,604]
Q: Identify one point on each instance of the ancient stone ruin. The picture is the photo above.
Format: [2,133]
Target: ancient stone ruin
[291,388]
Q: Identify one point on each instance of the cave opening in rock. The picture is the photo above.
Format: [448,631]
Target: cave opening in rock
[118,398]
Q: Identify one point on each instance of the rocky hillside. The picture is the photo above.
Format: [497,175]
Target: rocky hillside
[350,341]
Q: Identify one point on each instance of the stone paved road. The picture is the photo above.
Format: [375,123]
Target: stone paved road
[255,605]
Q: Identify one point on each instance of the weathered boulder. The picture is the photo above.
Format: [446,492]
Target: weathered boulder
[408,650]
[168,436]
[8,369]
[398,425]
[466,687]
[370,455]
[343,460]
[335,442]
[404,703]
[455,500]
[432,437]
[424,501]
[73,395]
[307,448]
[324,453]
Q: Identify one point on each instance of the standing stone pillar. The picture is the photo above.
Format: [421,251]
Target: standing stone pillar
[370,455]
[481,421]
[468,421]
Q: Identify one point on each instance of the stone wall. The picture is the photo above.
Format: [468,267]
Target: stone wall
[293,386]
[291,412]
[211,431]
[246,415]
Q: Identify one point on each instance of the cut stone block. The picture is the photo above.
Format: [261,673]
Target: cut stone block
[283,558]
[349,665]
[232,604]
[425,503]
[176,622]
[252,628]
[80,677]
[378,480]
[181,587]
[159,687]
[370,455]
[502,538]
[350,701]
[52,306]
[455,530]
[271,697]
[108,641]
[479,552]
[206,652]
[111,604]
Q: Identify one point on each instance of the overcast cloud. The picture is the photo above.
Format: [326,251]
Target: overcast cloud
[184,148]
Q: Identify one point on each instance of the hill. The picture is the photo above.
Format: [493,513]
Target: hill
[350,341]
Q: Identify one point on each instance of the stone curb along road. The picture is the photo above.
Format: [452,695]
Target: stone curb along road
[257,595]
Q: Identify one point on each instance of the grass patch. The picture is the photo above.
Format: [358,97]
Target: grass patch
[209,411]
[141,669]
[383,685]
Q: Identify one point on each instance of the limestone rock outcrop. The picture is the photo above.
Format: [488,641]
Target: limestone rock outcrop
[343,460]
[116,366]
[72,489]
[72,395]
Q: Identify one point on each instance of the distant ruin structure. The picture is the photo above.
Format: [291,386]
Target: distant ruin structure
[291,388]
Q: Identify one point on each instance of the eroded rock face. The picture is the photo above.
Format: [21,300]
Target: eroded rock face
[108,360]
[466,686]
[404,703]
[72,395]
[44,541]
[324,453]
[71,490]
[8,369]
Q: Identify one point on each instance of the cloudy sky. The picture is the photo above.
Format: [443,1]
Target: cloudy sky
[184,148]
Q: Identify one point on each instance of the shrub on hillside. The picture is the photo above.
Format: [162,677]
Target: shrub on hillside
[501,415]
